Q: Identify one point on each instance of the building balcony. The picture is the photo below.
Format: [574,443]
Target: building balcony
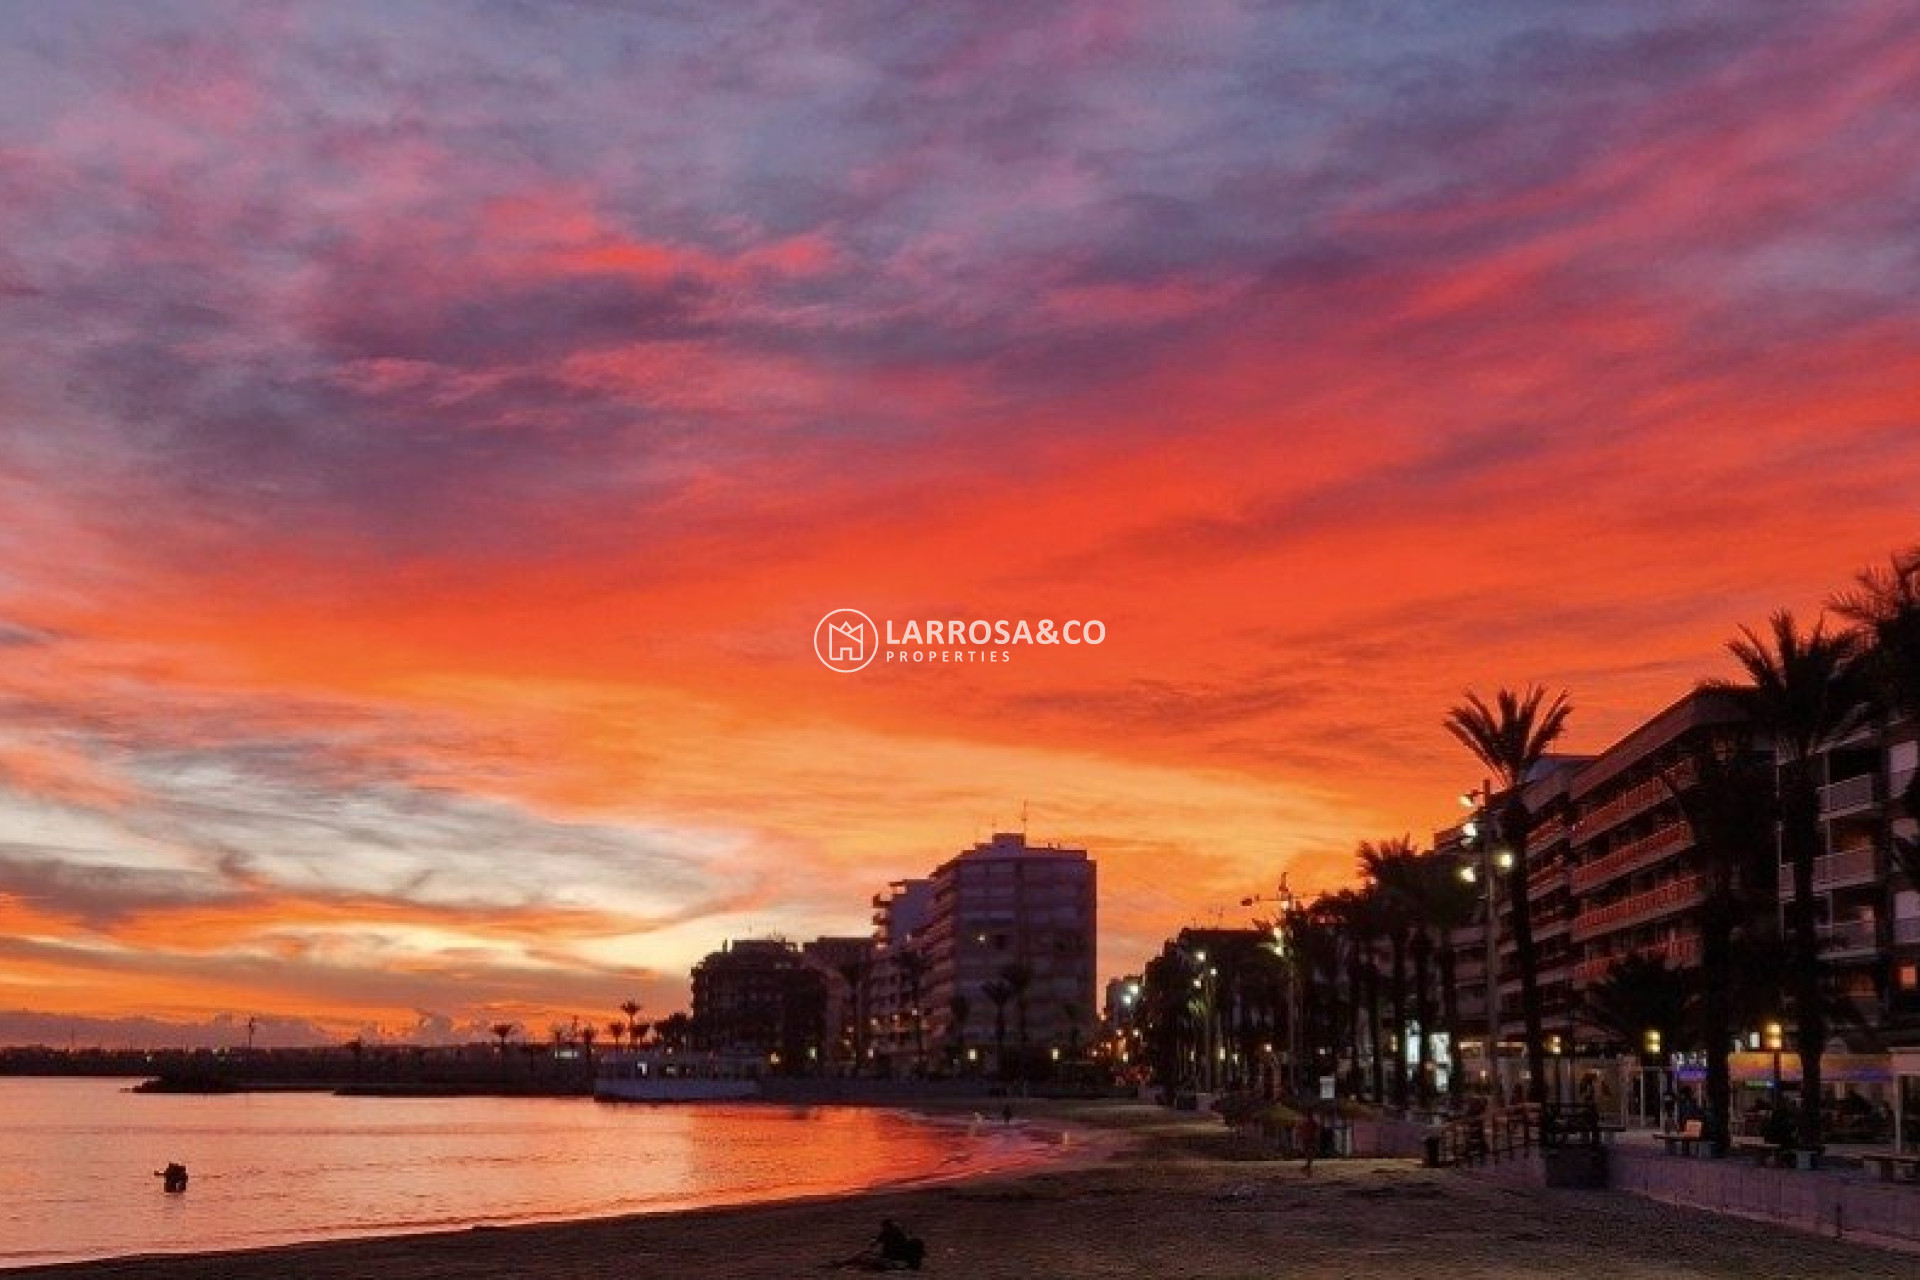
[1635,800]
[1848,938]
[1681,953]
[1849,794]
[1664,843]
[1848,866]
[1675,895]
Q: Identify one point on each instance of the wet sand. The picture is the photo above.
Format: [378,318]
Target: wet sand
[1146,1193]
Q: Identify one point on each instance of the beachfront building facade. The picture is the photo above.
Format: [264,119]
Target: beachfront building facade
[760,998]
[898,982]
[1009,945]
[843,964]
[1638,879]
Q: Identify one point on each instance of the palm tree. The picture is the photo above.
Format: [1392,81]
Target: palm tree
[1388,865]
[616,1032]
[912,964]
[1072,1014]
[1725,792]
[958,1007]
[502,1031]
[1884,604]
[1637,995]
[1805,690]
[999,992]
[1019,979]
[632,1009]
[854,972]
[1353,916]
[1511,738]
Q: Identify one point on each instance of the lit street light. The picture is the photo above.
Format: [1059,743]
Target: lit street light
[1471,832]
[1282,947]
[1775,1040]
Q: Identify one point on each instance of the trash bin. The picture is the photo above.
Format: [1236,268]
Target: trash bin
[1432,1141]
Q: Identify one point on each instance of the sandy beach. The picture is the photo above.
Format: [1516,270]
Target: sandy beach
[1144,1193]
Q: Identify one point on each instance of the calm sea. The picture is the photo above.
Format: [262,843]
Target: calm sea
[77,1159]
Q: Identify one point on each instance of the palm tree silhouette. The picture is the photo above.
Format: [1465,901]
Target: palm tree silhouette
[1724,789]
[1511,738]
[1806,690]
[1884,605]
[1019,979]
[958,1007]
[912,964]
[1389,865]
[631,1008]
[999,992]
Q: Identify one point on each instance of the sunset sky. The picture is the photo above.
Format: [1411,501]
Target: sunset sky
[429,435]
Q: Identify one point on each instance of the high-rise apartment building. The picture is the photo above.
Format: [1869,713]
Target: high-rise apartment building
[999,911]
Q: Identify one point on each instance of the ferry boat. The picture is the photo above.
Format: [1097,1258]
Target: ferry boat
[653,1075]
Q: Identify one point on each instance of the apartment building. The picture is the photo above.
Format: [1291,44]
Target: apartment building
[1637,879]
[1000,904]
[760,997]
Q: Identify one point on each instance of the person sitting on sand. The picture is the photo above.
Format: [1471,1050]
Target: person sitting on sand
[892,1250]
[173,1177]
[897,1248]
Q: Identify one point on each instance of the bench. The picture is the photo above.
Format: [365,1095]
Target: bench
[1908,1167]
[1685,1139]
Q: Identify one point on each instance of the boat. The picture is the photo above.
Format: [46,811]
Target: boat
[654,1075]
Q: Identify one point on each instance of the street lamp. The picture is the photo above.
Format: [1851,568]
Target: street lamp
[1282,947]
[1482,833]
[1775,1039]
[1651,1043]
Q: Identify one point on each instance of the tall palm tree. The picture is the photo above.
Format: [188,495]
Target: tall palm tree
[632,1009]
[1884,604]
[1019,979]
[912,964]
[1447,903]
[1805,689]
[958,1007]
[1511,738]
[1354,914]
[1388,865]
[1725,792]
[854,973]
[999,992]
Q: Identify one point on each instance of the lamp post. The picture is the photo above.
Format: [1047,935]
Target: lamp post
[1284,948]
[1651,1043]
[1204,1049]
[1775,1039]
[1481,832]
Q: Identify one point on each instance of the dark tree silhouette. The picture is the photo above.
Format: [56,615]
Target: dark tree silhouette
[1804,690]
[1510,738]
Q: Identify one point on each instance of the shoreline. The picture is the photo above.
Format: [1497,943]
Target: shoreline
[1146,1193]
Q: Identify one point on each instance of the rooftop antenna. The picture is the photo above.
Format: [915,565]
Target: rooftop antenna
[1023,821]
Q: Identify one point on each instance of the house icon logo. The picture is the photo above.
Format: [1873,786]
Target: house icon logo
[846,640]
